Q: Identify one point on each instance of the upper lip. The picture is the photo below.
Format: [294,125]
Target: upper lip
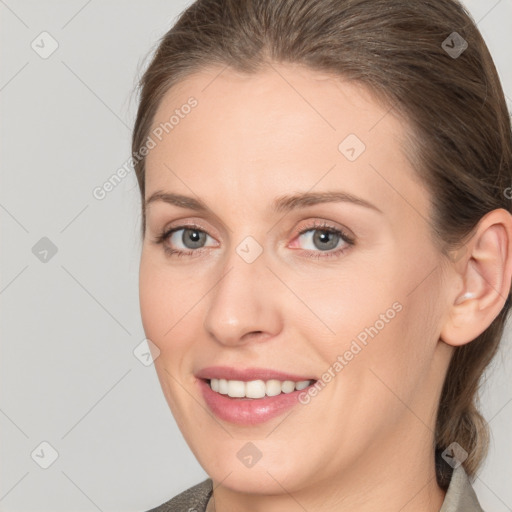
[247,374]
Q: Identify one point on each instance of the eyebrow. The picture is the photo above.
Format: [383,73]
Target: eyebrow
[284,203]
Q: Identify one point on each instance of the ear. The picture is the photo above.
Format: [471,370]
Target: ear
[482,279]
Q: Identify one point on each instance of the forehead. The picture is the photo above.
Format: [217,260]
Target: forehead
[287,94]
[286,127]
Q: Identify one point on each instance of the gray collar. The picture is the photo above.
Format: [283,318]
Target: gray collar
[460,496]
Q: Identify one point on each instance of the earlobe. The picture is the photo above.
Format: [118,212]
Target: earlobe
[484,277]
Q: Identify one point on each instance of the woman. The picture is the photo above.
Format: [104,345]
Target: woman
[327,240]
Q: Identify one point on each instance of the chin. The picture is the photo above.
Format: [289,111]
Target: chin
[275,470]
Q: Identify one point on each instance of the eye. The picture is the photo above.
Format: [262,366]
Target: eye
[183,240]
[323,238]
[191,238]
[319,240]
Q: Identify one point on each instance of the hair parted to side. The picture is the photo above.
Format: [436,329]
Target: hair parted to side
[461,145]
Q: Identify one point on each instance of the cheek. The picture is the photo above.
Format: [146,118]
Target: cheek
[396,353]
[171,308]
[164,304]
[353,306]
[373,321]
[152,297]
[158,301]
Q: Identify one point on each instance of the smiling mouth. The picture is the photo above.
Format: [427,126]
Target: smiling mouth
[256,389]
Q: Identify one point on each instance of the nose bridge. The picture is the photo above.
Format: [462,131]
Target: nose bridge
[240,301]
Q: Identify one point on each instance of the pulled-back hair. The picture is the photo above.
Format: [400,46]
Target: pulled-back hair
[460,145]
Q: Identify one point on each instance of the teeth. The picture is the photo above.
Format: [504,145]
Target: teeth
[223,386]
[256,388]
[236,388]
[302,384]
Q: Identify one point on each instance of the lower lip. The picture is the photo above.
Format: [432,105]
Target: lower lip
[248,411]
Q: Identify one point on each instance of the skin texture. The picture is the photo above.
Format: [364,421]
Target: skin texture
[365,441]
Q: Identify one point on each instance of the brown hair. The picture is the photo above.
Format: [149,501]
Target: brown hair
[400,49]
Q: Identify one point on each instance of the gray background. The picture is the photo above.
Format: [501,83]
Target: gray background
[69,376]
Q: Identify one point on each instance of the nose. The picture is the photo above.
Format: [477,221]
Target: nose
[243,305]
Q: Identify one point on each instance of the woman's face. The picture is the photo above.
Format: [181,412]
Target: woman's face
[302,253]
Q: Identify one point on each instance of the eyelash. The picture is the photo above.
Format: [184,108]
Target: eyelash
[324,227]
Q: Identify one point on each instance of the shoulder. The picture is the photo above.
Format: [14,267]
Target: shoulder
[194,499]
[460,496]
